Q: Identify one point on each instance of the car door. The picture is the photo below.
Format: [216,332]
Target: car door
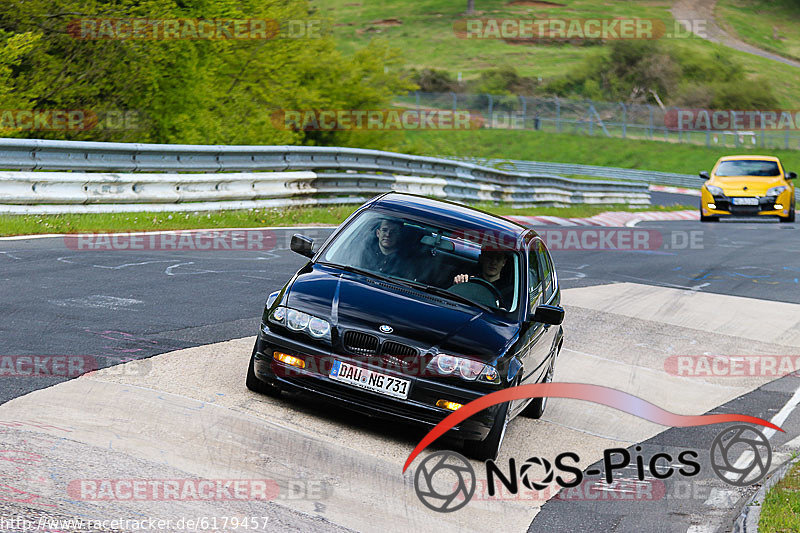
[551,294]
[533,351]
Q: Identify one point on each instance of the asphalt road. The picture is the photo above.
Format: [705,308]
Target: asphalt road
[120,305]
[117,306]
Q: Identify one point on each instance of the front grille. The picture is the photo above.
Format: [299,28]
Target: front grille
[360,343]
[397,349]
[398,355]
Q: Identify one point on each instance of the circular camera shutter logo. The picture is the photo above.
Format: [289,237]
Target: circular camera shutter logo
[526,472]
[445,481]
[741,455]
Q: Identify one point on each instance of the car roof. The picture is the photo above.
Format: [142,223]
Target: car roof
[449,214]
[748,158]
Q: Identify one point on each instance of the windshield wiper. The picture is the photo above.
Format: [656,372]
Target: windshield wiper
[430,289]
[356,270]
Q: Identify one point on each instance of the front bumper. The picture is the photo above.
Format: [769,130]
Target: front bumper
[725,206]
[419,408]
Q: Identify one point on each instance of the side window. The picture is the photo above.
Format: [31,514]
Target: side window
[534,280]
[547,271]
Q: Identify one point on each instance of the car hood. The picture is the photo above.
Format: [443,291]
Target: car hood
[353,301]
[756,186]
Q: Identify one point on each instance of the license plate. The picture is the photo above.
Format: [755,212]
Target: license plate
[370,380]
[745,201]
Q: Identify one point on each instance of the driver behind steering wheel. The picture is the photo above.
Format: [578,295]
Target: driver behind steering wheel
[490,268]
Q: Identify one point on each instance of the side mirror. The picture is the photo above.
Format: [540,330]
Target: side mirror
[705,175]
[791,175]
[302,245]
[548,314]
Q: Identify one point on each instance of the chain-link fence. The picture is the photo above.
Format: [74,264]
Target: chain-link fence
[611,119]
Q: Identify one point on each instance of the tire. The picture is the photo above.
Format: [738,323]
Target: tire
[255,384]
[489,448]
[789,219]
[704,218]
[535,409]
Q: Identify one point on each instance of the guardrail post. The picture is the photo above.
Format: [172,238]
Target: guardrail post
[455,102]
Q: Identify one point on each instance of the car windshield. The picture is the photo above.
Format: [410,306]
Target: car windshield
[445,261]
[748,167]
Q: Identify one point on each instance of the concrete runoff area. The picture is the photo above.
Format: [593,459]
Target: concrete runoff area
[187,414]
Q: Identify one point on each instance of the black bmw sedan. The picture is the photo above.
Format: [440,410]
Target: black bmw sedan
[412,308]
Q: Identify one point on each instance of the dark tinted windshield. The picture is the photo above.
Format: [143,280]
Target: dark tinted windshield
[748,167]
[443,258]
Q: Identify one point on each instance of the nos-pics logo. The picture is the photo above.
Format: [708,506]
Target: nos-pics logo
[445,481]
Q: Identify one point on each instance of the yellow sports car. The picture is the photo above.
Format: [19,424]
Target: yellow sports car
[747,185]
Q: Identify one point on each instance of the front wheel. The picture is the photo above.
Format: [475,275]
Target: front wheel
[489,447]
[790,218]
[704,218]
[255,384]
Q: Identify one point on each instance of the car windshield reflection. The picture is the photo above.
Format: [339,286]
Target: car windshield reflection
[442,259]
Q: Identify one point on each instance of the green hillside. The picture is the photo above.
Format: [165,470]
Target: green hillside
[424,31]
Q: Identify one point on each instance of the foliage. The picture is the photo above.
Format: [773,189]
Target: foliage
[184,91]
[637,71]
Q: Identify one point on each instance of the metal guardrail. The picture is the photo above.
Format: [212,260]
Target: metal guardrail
[689,181]
[262,176]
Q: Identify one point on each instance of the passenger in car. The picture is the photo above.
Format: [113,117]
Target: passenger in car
[387,253]
[491,264]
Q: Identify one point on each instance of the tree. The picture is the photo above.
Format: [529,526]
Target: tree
[184,91]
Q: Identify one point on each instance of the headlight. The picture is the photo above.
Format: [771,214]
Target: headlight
[299,321]
[466,368]
[775,191]
[319,328]
[715,191]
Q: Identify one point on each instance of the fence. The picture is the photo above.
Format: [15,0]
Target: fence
[587,117]
[262,176]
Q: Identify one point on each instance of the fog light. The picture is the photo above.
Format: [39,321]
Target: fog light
[712,206]
[289,359]
[778,206]
[453,406]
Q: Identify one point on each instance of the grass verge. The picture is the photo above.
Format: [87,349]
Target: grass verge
[293,216]
[780,512]
[568,148]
